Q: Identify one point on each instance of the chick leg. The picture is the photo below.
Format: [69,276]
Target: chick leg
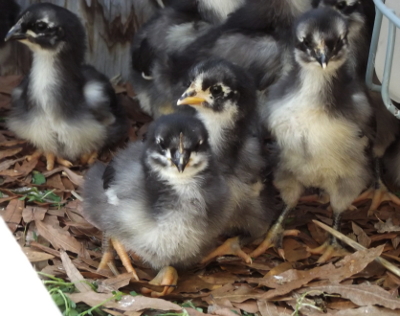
[64,162]
[290,190]
[378,193]
[341,193]
[107,254]
[167,277]
[275,236]
[36,155]
[230,247]
[331,247]
[89,158]
[126,261]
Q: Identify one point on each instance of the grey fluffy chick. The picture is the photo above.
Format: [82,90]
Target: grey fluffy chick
[250,37]
[224,98]
[171,30]
[163,199]
[358,14]
[320,116]
[67,110]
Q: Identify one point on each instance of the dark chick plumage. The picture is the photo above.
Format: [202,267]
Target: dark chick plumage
[63,107]
[169,32]
[253,36]
[320,116]
[224,98]
[158,198]
[360,17]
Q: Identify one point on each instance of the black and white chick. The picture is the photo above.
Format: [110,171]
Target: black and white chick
[224,97]
[321,119]
[66,109]
[360,17]
[360,28]
[163,199]
[250,37]
[9,10]
[170,31]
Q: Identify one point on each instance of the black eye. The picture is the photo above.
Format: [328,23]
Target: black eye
[41,26]
[197,147]
[161,143]
[216,90]
[341,5]
[306,42]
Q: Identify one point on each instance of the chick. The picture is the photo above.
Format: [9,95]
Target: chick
[163,199]
[321,119]
[252,36]
[224,98]
[64,108]
[170,31]
[360,17]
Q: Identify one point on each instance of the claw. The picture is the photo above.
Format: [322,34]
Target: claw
[328,250]
[167,277]
[274,238]
[378,196]
[64,162]
[50,158]
[36,155]
[230,247]
[89,158]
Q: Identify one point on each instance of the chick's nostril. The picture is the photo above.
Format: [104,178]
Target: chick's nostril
[188,94]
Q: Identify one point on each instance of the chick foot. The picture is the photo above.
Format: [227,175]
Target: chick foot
[89,158]
[51,158]
[167,277]
[36,155]
[274,238]
[379,194]
[328,250]
[126,261]
[230,247]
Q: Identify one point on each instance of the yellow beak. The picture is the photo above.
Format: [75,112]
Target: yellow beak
[191,101]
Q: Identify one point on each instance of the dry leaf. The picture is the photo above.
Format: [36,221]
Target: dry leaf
[36,256]
[60,239]
[270,309]
[12,143]
[365,310]
[248,306]
[387,227]
[114,284]
[8,163]
[362,237]
[4,153]
[294,250]
[345,268]
[360,294]
[74,275]
[32,213]
[284,266]
[236,293]
[55,182]
[127,303]
[13,214]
